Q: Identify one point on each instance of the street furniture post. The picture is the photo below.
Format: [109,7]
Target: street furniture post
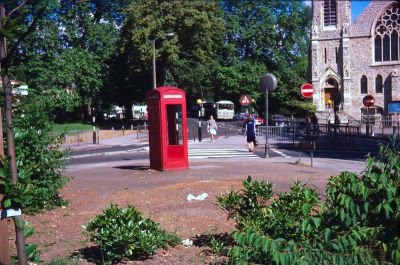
[268,84]
[199,102]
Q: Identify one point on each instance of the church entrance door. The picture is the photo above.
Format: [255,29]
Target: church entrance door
[331,88]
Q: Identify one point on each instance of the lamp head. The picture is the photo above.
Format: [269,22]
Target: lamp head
[199,101]
[170,34]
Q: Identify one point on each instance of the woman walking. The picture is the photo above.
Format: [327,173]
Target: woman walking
[250,132]
[212,128]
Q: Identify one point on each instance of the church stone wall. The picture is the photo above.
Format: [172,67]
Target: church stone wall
[355,46]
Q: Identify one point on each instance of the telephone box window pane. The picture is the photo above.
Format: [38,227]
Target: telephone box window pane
[174,124]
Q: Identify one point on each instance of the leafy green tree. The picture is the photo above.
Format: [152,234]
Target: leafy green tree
[186,60]
[266,36]
[65,50]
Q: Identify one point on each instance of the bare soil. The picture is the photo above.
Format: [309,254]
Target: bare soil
[161,196]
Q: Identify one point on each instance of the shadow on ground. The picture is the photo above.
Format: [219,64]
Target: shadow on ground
[95,255]
[142,168]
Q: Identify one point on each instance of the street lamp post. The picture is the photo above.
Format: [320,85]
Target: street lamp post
[153,44]
[200,102]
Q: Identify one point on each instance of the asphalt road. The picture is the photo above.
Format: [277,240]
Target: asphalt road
[232,147]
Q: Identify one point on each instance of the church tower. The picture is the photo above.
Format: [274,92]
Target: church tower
[330,60]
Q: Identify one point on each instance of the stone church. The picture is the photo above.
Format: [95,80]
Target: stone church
[350,60]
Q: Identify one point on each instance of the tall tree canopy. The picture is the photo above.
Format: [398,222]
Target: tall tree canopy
[219,51]
[83,54]
[62,49]
[186,60]
[265,36]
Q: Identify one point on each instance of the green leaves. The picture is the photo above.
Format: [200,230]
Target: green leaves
[124,233]
[359,217]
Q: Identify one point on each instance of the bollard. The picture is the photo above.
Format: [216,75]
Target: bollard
[394,131]
[94,137]
[137,132]
[66,138]
[194,134]
[312,155]
[78,138]
[123,130]
[299,157]
[131,127]
[145,126]
[98,136]
[112,132]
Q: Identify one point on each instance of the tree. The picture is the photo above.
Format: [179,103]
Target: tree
[186,60]
[65,51]
[266,36]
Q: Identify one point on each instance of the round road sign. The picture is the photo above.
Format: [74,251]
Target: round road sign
[268,83]
[368,101]
[307,90]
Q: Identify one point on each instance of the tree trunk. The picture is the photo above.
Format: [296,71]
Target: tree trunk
[18,220]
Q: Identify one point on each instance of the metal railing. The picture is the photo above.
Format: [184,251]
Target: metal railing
[95,136]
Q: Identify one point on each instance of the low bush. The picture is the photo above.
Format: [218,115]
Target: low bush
[125,233]
[357,223]
[40,162]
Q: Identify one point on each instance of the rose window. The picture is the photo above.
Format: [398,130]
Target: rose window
[387,32]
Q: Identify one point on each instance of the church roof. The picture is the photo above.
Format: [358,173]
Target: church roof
[364,22]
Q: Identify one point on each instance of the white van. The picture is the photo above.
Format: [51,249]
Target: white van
[139,112]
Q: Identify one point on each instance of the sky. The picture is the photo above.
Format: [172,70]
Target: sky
[357,6]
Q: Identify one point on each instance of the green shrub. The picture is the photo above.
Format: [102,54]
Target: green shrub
[124,233]
[358,223]
[40,162]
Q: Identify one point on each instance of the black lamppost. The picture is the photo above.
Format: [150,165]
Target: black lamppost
[153,44]
[200,103]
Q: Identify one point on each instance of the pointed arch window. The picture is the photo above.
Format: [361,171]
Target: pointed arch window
[364,85]
[330,13]
[378,84]
[387,32]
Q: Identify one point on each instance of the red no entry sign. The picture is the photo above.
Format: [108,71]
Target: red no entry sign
[307,90]
[368,101]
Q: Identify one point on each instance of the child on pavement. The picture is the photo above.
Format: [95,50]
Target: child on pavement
[212,128]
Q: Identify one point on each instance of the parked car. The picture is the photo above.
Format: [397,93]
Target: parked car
[258,120]
[240,117]
[279,120]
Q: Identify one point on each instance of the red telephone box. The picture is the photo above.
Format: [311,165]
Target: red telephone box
[166,108]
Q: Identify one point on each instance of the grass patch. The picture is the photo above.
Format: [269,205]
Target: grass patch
[67,127]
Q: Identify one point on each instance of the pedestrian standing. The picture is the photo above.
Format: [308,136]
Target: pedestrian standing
[212,128]
[250,133]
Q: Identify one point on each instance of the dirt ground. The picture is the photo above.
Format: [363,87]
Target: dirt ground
[162,196]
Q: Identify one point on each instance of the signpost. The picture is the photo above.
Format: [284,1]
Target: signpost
[268,84]
[200,103]
[368,101]
[245,100]
[307,90]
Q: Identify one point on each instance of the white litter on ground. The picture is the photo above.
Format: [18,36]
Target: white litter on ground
[201,197]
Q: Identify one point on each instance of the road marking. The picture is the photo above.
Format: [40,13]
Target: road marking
[220,153]
[280,153]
